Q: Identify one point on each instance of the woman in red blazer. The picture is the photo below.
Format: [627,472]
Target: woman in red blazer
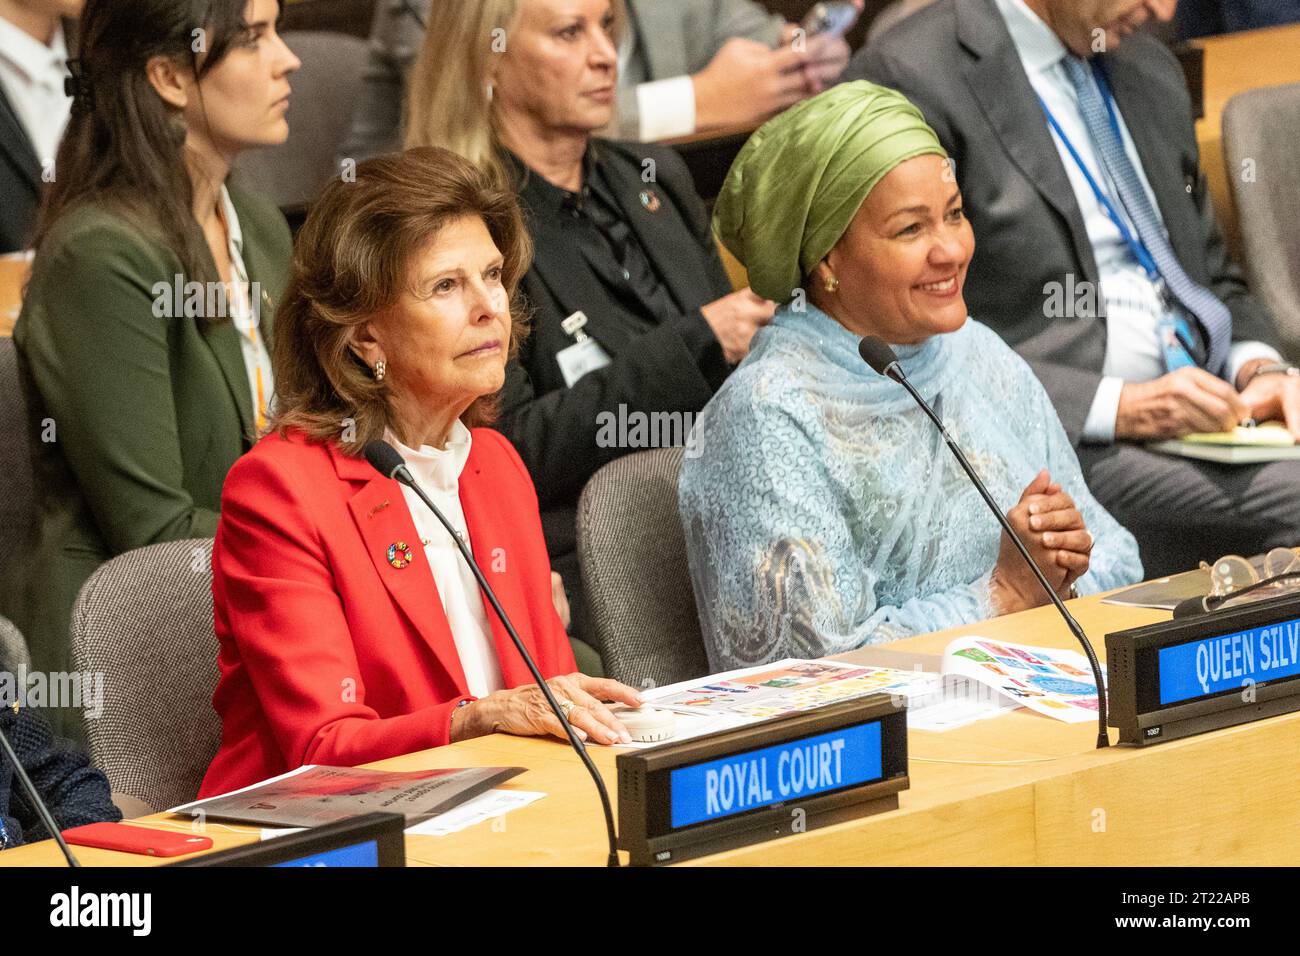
[350,628]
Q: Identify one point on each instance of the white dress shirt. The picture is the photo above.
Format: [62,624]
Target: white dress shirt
[32,75]
[665,108]
[437,470]
[1133,307]
[244,304]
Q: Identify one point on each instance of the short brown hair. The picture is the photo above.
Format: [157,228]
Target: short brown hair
[352,260]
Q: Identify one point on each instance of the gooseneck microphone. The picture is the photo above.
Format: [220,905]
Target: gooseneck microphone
[385,459]
[42,810]
[1209,603]
[876,352]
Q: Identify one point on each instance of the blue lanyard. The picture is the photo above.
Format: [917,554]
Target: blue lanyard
[1136,246]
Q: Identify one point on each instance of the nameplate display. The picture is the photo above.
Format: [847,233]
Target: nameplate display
[1228,662]
[1204,672]
[768,779]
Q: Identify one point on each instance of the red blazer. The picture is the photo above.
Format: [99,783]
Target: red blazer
[329,653]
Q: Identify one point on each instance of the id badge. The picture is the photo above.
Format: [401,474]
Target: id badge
[580,358]
[584,355]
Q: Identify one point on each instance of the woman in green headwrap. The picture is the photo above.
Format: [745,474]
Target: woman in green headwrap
[822,511]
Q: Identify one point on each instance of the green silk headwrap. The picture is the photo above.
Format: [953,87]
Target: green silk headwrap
[802,177]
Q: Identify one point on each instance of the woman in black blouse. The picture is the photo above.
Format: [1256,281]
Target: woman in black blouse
[633,313]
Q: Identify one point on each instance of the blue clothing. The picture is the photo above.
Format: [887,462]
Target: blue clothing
[76,792]
[822,510]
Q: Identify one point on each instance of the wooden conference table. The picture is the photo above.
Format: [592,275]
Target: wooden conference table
[1019,789]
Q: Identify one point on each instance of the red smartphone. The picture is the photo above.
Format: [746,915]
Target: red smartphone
[142,840]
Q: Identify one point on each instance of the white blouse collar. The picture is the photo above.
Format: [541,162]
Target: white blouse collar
[437,469]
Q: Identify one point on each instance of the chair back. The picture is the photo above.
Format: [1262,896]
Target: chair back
[18,502]
[1260,131]
[640,603]
[13,649]
[293,173]
[144,621]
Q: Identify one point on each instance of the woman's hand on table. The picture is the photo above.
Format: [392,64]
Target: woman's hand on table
[1052,528]
[523,711]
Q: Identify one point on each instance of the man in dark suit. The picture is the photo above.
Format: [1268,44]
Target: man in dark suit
[33,108]
[1098,257]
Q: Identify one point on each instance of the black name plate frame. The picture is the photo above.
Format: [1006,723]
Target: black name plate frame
[1134,677]
[645,783]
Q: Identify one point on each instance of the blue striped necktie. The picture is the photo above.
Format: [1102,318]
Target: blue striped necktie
[1198,300]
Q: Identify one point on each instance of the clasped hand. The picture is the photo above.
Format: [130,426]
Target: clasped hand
[1052,528]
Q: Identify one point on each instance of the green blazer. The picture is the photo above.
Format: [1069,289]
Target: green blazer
[135,417]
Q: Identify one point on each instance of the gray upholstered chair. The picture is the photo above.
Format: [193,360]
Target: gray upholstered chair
[640,604]
[1261,130]
[292,174]
[13,649]
[144,620]
[17,498]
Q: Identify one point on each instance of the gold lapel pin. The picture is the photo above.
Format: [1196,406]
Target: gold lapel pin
[650,200]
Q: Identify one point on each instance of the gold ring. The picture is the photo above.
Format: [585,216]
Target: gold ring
[567,707]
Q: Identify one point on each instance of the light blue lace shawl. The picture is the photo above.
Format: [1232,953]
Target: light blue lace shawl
[823,512]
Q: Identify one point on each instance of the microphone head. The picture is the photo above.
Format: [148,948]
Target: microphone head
[876,352]
[1191,608]
[383,457]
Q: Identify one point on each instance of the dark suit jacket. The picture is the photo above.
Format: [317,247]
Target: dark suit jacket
[673,367]
[956,61]
[20,180]
[135,418]
[21,187]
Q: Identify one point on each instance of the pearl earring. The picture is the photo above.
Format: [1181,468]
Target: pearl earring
[381,369]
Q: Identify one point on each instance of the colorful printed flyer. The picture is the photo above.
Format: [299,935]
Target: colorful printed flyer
[1053,682]
[791,686]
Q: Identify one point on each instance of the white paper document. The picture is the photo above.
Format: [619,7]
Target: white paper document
[486,806]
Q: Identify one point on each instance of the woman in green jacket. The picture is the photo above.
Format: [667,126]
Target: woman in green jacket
[143,339]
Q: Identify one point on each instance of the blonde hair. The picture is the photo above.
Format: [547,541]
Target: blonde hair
[447,102]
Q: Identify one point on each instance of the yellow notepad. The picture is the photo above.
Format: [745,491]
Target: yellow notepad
[1241,446]
[1269,434]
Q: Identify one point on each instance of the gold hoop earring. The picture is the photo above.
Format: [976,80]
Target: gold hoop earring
[381,369]
[831,284]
